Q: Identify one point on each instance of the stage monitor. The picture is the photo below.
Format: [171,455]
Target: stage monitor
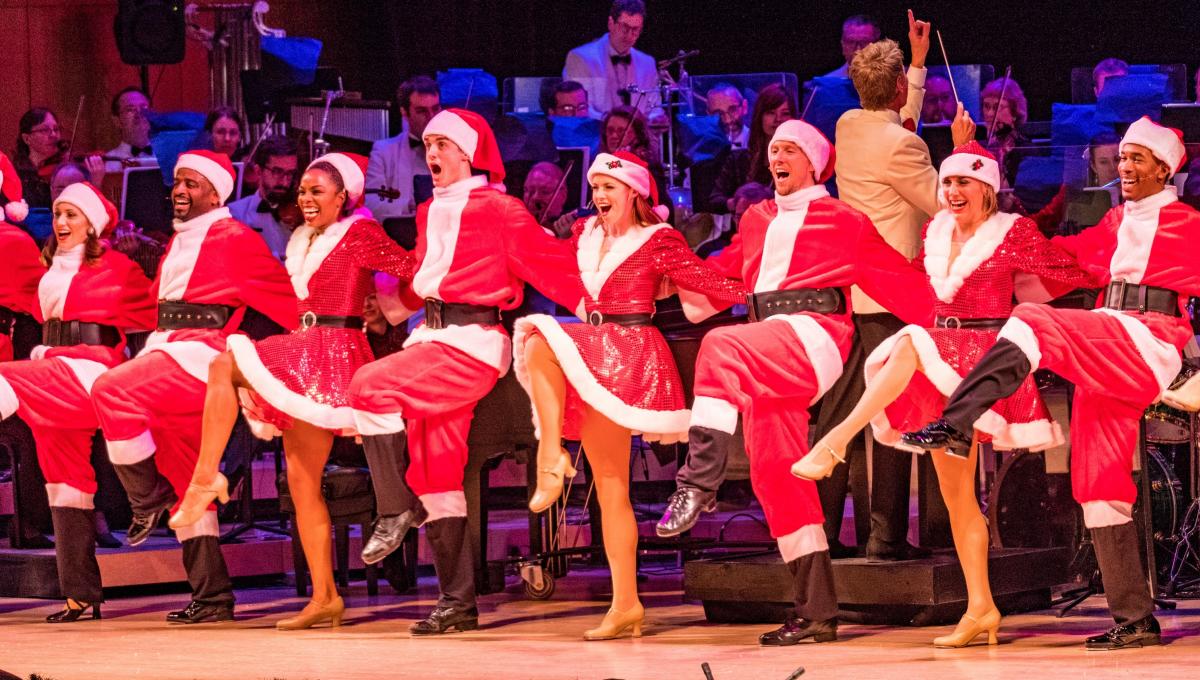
[1184,117]
[578,159]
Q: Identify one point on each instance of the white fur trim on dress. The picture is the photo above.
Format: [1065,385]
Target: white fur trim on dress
[485,343]
[1106,513]
[367,423]
[131,451]
[1163,358]
[272,389]
[665,426]
[595,270]
[714,413]
[822,351]
[806,540]
[66,496]
[259,427]
[206,526]
[1021,334]
[1036,435]
[8,399]
[179,262]
[388,294]
[305,254]
[444,504]
[192,356]
[946,277]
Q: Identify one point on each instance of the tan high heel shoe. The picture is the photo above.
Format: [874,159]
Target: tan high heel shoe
[616,622]
[197,499]
[969,628]
[1186,397]
[312,614]
[548,492]
[808,467]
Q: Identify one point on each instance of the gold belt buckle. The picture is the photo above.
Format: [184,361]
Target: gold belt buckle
[308,319]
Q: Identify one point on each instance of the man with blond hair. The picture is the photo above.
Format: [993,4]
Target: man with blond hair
[883,170]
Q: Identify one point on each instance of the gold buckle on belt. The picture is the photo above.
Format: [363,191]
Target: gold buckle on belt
[308,319]
[952,322]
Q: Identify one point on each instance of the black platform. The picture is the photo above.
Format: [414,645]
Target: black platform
[758,588]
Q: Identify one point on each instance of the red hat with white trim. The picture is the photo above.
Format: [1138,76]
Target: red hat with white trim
[632,171]
[974,161]
[10,184]
[474,136]
[99,211]
[814,145]
[215,167]
[1166,143]
[353,169]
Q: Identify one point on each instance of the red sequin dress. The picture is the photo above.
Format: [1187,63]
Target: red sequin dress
[305,374]
[625,372]
[1007,255]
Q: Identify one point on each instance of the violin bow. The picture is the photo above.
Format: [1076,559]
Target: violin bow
[1003,88]
[561,183]
[75,125]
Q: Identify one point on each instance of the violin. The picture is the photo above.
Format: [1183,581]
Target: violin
[47,168]
[386,193]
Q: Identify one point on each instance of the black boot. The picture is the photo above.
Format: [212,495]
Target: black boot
[212,591]
[456,578]
[1118,555]
[150,496]
[398,508]
[998,374]
[697,481]
[816,603]
[75,553]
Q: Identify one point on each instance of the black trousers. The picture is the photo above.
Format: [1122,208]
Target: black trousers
[891,469]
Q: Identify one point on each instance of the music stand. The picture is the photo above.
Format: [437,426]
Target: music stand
[145,200]
[576,184]
[1185,117]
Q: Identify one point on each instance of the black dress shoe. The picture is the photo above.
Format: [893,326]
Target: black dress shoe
[107,540]
[70,615]
[840,551]
[940,435]
[142,525]
[1140,633]
[445,619]
[797,629]
[683,509]
[198,612]
[389,533]
[901,553]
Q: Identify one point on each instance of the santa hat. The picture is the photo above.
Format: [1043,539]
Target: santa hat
[215,167]
[99,210]
[1166,143]
[632,171]
[812,143]
[974,161]
[353,169]
[10,185]
[474,136]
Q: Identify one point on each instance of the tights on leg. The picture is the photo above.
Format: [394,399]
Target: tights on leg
[957,480]
[548,386]
[220,415]
[306,448]
[606,445]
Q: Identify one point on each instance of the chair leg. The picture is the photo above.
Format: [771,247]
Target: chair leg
[299,564]
[341,542]
[371,571]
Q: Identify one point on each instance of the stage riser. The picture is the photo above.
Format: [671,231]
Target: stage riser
[759,589]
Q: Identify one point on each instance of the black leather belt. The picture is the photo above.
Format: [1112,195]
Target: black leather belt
[956,322]
[597,318]
[59,333]
[7,320]
[1133,297]
[176,314]
[440,314]
[310,319]
[816,300]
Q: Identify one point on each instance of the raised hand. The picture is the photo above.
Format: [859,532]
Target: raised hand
[918,40]
[962,130]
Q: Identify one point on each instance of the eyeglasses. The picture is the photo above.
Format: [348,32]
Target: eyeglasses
[46,130]
[279,172]
[132,110]
[628,29]
[569,109]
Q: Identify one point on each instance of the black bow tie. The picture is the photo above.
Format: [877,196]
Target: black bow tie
[626,59]
[264,207]
[140,151]
[414,143]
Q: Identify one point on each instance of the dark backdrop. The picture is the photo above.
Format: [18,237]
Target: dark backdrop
[1041,40]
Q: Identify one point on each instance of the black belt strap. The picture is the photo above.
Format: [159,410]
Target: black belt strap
[956,322]
[440,314]
[176,314]
[7,320]
[816,300]
[597,318]
[310,319]
[59,333]
[1133,297]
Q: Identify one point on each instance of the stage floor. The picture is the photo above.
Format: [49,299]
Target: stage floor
[522,638]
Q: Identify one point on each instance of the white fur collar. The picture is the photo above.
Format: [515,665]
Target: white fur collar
[461,187]
[203,221]
[594,270]
[305,253]
[1150,205]
[801,198]
[947,278]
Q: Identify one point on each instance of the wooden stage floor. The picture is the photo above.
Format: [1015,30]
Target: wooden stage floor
[540,640]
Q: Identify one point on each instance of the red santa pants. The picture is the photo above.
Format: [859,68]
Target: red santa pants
[57,409]
[150,410]
[432,388]
[762,371]
[1113,387]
